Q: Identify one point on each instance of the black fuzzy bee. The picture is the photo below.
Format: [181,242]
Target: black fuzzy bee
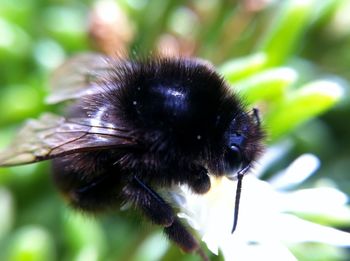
[139,125]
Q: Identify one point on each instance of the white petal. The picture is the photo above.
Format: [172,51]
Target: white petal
[297,230]
[273,154]
[213,212]
[318,201]
[272,251]
[298,171]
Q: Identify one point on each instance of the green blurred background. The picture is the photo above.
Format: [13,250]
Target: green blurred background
[249,41]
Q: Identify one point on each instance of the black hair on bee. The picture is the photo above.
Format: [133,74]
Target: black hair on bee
[138,125]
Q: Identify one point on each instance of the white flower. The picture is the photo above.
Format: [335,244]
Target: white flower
[265,224]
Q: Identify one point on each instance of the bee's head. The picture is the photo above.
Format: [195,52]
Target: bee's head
[243,142]
[241,145]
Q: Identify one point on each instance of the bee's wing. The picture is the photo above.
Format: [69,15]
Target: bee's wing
[78,77]
[52,136]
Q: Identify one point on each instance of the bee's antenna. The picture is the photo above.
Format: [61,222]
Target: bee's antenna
[256,116]
[240,176]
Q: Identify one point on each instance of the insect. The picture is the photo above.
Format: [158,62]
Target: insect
[135,126]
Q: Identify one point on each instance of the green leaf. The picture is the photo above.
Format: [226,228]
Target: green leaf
[153,248]
[32,243]
[286,30]
[83,235]
[266,85]
[241,68]
[301,105]
[14,41]
[18,102]
[6,212]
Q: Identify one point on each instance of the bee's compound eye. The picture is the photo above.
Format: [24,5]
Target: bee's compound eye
[233,158]
[235,152]
[235,149]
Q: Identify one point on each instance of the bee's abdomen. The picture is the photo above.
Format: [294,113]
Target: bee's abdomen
[85,184]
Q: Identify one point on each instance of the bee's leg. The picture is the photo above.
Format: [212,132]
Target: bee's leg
[151,204]
[198,179]
[179,234]
[161,213]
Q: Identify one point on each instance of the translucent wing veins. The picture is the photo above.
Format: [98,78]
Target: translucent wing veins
[52,136]
[82,75]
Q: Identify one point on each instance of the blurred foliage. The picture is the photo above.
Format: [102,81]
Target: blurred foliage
[289,58]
